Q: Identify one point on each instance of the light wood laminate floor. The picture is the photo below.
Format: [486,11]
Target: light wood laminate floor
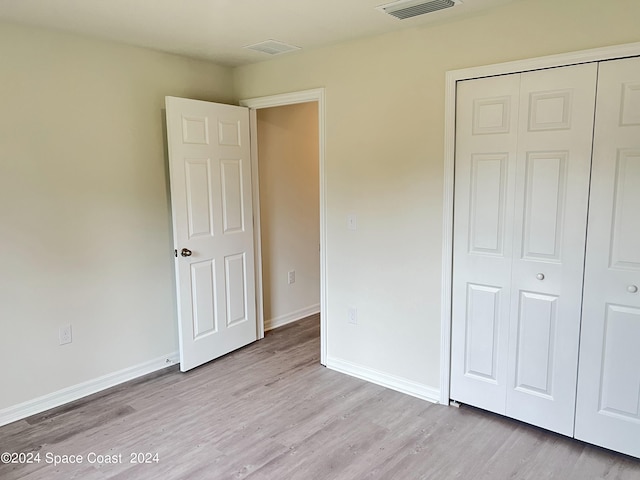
[271,411]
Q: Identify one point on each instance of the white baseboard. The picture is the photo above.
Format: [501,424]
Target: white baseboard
[276,322]
[75,392]
[385,380]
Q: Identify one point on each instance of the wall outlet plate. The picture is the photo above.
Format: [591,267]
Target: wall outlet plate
[352,315]
[64,334]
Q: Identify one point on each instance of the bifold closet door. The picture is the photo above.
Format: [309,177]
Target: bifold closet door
[486,147]
[549,231]
[523,152]
[608,404]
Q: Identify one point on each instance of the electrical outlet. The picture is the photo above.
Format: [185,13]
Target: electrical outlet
[291,277]
[64,334]
[352,315]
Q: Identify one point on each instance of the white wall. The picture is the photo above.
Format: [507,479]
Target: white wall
[84,217]
[384,162]
[85,233]
[289,211]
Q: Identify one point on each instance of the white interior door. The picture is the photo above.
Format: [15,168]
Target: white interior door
[209,156]
[608,404]
[549,230]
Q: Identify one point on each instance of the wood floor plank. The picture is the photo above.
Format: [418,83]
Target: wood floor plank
[271,411]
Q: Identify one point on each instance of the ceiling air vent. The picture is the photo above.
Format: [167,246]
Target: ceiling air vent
[272,47]
[408,9]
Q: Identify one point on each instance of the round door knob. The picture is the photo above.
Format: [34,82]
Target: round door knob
[185,252]
[632,289]
[540,276]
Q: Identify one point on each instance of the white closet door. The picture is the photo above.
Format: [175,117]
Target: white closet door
[486,146]
[523,152]
[549,229]
[608,404]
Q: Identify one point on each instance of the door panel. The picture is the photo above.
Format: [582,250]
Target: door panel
[212,212]
[487,216]
[203,280]
[549,226]
[199,197]
[619,395]
[236,286]
[624,232]
[486,147]
[608,403]
[534,356]
[544,199]
[482,329]
[232,204]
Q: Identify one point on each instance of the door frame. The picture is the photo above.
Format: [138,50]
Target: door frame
[254,104]
[451,79]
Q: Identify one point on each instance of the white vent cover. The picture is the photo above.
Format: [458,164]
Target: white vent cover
[408,9]
[272,47]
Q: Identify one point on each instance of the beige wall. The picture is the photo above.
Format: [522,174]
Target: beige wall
[289,210]
[384,161]
[84,218]
[85,233]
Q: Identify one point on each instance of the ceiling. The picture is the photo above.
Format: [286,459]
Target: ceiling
[217,30]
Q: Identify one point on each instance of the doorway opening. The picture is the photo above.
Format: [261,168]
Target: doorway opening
[289,212]
[288,183]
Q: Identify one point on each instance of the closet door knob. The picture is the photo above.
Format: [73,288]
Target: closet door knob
[632,289]
[540,276]
[185,252]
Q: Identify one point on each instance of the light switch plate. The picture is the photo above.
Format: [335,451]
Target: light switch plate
[352,221]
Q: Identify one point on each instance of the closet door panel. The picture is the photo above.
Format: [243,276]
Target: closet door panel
[608,403]
[549,229]
[486,145]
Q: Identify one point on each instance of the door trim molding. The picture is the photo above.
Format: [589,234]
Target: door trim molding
[304,96]
[451,79]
